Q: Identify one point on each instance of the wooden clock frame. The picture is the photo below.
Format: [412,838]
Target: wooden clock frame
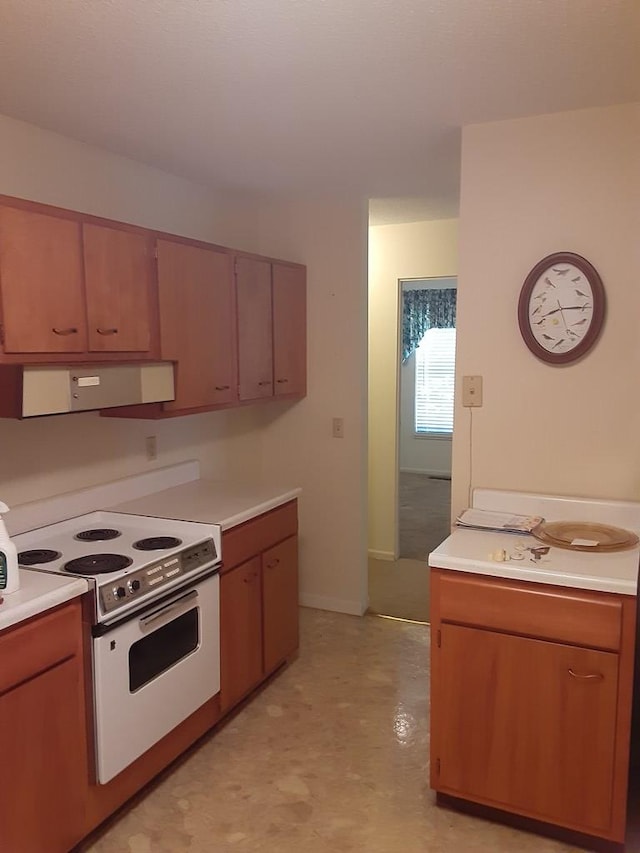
[597,320]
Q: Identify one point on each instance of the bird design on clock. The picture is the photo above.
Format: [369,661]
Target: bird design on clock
[561,308]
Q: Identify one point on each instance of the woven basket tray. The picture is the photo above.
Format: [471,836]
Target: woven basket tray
[563,534]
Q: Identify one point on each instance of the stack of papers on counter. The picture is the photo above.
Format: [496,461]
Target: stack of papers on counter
[504,522]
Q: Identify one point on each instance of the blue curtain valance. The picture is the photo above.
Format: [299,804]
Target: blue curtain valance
[434,308]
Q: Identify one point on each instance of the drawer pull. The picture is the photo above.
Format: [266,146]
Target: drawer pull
[265,382]
[71,331]
[592,676]
[273,563]
[281,381]
[222,387]
[107,331]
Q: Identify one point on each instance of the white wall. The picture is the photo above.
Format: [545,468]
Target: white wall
[531,187]
[330,236]
[413,250]
[46,167]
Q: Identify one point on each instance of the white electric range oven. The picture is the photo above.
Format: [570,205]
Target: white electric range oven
[155,633]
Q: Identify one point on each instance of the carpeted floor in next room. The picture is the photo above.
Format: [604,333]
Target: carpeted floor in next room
[424,513]
[401,588]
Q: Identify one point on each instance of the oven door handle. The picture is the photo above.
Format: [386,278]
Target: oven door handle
[169,611]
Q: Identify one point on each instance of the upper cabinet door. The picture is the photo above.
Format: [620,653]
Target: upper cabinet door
[41,283]
[289,330]
[119,278]
[197,323]
[255,341]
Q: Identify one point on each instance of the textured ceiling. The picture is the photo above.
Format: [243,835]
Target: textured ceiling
[364,97]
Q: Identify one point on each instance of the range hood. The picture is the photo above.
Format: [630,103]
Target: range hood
[28,392]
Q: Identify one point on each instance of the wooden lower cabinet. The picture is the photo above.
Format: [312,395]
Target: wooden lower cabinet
[530,725]
[43,767]
[240,631]
[258,601]
[524,732]
[280,602]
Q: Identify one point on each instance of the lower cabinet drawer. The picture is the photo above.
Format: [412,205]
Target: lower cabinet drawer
[552,613]
[246,540]
[38,645]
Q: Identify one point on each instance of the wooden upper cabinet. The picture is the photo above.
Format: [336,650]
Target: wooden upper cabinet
[255,335]
[197,323]
[78,288]
[43,308]
[119,278]
[289,330]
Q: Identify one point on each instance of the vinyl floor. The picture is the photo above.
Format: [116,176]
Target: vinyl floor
[331,757]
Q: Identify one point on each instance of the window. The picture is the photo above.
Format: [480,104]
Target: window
[435,369]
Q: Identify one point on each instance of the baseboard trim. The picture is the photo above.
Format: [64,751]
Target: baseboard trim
[335,605]
[443,475]
[382,555]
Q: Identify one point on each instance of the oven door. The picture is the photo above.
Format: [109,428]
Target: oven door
[152,671]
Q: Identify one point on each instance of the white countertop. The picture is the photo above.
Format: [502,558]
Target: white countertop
[211,501]
[471,550]
[38,592]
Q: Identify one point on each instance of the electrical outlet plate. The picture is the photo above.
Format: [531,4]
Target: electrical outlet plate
[338,428]
[472,391]
[151,447]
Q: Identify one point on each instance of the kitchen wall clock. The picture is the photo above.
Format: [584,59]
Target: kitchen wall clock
[561,308]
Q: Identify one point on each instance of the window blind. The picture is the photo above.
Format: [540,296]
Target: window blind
[435,371]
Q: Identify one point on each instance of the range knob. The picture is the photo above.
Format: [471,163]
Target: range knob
[119,591]
[134,585]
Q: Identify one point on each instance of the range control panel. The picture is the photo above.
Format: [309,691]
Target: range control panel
[136,584]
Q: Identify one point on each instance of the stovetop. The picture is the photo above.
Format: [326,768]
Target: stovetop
[127,558]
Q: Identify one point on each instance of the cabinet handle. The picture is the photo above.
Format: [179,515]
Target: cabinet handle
[592,676]
[273,563]
[222,387]
[107,331]
[265,382]
[281,381]
[250,578]
[71,331]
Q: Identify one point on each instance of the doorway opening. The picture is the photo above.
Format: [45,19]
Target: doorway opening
[426,369]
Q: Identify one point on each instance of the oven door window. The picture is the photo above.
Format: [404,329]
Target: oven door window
[159,651]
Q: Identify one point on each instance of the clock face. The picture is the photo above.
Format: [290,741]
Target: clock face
[561,308]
